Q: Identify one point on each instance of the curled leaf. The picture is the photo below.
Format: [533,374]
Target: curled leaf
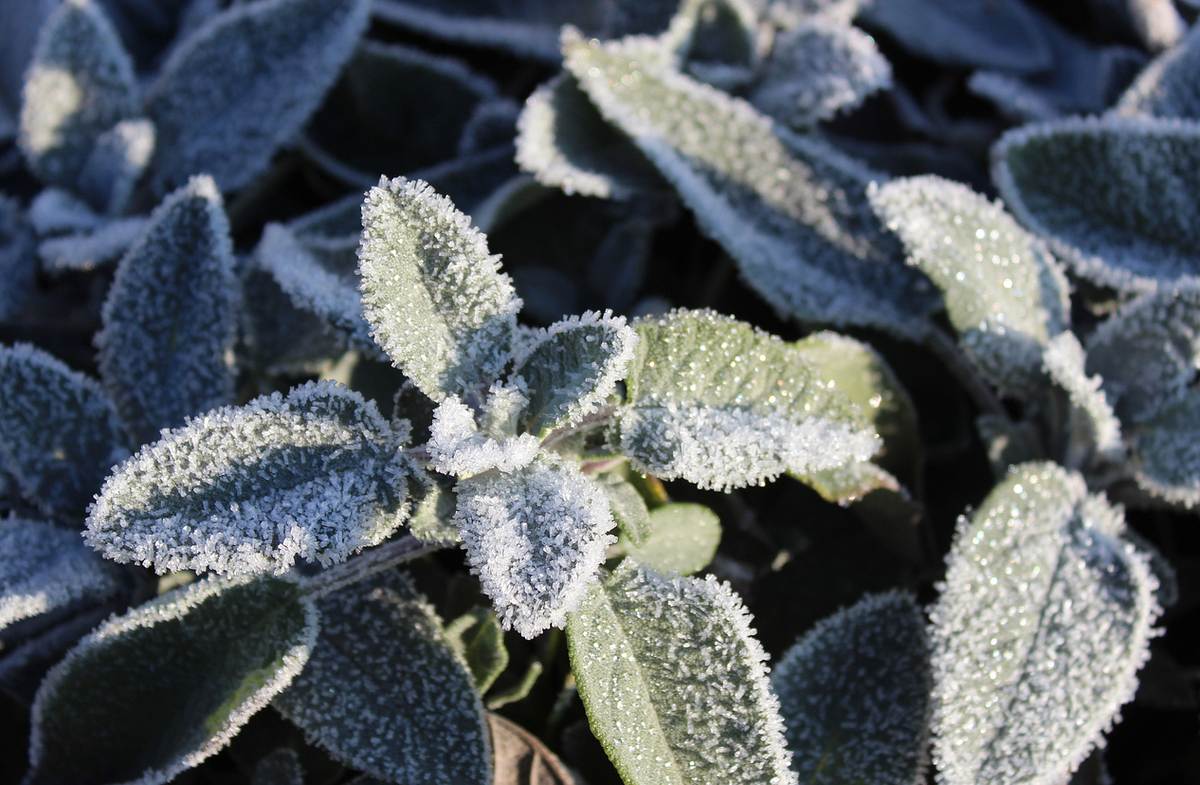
[1093,426]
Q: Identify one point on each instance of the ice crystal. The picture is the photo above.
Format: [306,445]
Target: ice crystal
[458,448]
[674,682]
[682,539]
[1167,87]
[314,475]
[536,538]
[1093,425]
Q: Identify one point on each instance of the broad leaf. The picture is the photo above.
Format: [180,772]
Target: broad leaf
[1113,197]
[241,86]
[59,433]
[674,682]
[170,316]
[536,538]
[1043,622]
[385,691]
[1167,87]
[88,250]
[158,690]
[521,758]
[628,509]
[435,297]
[1094,431]
[1004,293]
[792,212]
[118,159]
[18,260]
[315,475]
[1166,452]
[43,567]
[457,446]
[854,694]
[682,539]
[479,640]
[79,85]
[21,20]
[723,405]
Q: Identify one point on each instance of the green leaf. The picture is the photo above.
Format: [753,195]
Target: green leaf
[435,297]
[478,639]
[44,567]
[628,509]
[59,433]
[683,539]
[1004,293]
[791,211]
[156,691]
[723,405]
[1166,452]
[1112,196]
[242,85]
[674,682]
[315,475]
[170,316]
[1093,428]
[433,506]
[519,690]
[385,691]
[1043,622]
[854,693]
[1167,87]
[79,85]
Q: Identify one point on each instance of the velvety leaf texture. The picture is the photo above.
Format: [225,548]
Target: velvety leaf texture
[156,691]
[1167,87]
[117,161]
[458,447]
[240,87]
[674,682]
[315,474]
[682,539]
[854,694]
[1044,619]
[1166,452]
[628,509]
[723,405]
[791,211]
[90,249]
[1094,427]
[435,297]
[385,692]
[170,316]
[1113,197]
[59,433]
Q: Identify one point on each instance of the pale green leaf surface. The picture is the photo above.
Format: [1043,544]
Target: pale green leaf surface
[628,509]
[479,640]
[682,539]
[1095,431]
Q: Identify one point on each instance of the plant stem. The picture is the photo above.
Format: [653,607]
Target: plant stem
[363,566]
[960,368]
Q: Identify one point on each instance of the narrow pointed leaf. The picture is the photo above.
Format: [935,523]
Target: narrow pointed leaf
[435,297]
[158,690]
[854,694]
[682,539]
[1113,197]
[242,85]
[1094,428]
[315,475]
[674,682]
[1167,87]
[385,691]
[1043,622]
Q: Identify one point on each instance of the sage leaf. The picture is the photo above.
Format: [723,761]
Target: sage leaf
[682,539]
[1166,452]
[1166,88]
[628,509]
[118,159]
[479,640]
[1094,429]
[88,250]
[457,446]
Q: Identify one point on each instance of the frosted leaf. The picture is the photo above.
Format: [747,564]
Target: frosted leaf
[1166,452]
[43,567]
[563,141]
[1004,293]
[458,448]
[674,682]
[59,433]
[88,250]
[536,538]
[572,367]
[522,758]
[628,508]
[723,405]
[479,640]
[718,41]
[1093,426]
[170,317]
[792,212]
[18,260]
[790,13]
[854,694]
[118,159]
[1112,197]
[279,767]
[385,692]
[242,85]
[54,211]
[156,691]
[1043,621]
[433,505]
[315,475]
[279,339]
[21,20]
[818,69]
[1167,87]
[682,539]
[492,123]
[435,297]
[971,33]
[80,83]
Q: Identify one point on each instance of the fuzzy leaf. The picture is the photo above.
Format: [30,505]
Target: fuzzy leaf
[479,640]
[18,260]
[1094,428]
[1004,293]
[1043,621]
[1113,197]
[79,85]
[385,691]
[1167,87]
[723,405]
[242,85]
[118,159]
[522,758]
[792,212]
[154,692]
[279,339]
[458,448]
[21,20]
[674,682]
[682,539]
[854,693]
[314,475]
[436,300]
[170,316]
[88,250]
[536,538]
[628,509]
[43,567]
[1166,452]
[59,433]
